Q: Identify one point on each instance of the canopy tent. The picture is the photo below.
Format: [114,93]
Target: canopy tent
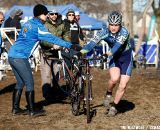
[86,22]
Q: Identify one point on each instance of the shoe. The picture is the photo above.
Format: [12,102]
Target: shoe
[108,99]
[112,112]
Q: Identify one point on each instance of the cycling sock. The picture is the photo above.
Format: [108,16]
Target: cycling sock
[108,93]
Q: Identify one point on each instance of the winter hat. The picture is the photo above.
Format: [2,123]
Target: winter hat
[53,11]
[77,13]
[40,9]
[70,11]
[19,12]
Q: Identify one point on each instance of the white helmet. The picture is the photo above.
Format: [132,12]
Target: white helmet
[115,18]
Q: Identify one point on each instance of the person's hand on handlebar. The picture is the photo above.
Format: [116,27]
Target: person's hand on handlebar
[76,47]
[56,47]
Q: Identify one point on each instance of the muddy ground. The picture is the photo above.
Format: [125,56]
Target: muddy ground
[139,108]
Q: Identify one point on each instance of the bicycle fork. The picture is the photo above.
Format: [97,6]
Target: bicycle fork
[88,85]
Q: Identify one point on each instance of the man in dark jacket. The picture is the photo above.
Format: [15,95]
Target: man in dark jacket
[72,24]
[13,21]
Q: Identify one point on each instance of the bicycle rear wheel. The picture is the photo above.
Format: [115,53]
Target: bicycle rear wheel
[65,81]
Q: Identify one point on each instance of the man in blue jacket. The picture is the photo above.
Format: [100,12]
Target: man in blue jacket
[31,32]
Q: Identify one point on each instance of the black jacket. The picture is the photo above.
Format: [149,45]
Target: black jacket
[76,32]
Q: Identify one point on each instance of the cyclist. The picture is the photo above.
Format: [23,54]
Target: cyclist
[120,55]
[31,32]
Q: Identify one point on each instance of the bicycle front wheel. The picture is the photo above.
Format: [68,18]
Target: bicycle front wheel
[88,90]
[77,93]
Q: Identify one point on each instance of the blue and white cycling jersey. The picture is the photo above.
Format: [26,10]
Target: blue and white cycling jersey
[118,42]
[32,32]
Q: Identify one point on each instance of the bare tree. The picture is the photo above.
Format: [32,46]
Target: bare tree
[127,10]
[142,33]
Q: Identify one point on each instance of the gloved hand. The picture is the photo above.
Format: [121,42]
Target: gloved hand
[77,55]
[76,47]
[104,57]
[83,51]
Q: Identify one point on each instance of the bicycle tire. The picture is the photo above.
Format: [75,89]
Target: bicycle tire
[65,82]
[76,96]
[87,87]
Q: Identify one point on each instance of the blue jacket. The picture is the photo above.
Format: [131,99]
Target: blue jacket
[32,32]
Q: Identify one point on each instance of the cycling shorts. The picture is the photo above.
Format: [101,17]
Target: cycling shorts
[124,62]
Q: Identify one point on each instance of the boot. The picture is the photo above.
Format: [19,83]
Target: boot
[16,101]
[30,102]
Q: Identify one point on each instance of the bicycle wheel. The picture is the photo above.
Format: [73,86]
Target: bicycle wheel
[87,94]
[65,81]
[77,92]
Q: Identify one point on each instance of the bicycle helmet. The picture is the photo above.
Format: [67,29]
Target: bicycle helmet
[115,18]
[40,9]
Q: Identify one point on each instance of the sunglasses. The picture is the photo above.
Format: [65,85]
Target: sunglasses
[53,13]
[2,20]
[71,15]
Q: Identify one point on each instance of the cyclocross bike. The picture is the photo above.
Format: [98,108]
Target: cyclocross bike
[76,82]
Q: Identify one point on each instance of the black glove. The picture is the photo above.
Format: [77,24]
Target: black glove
[76,47]
[77,55]
[104,57]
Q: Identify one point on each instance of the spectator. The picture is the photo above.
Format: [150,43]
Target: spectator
[77,37]
[56,26]
[1,22]
[16,19]
[32,32]
[77,16]
[73,26]
[13,21]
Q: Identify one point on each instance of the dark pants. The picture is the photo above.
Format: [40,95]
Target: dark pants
[23,73]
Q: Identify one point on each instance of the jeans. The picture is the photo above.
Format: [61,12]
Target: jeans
[23,73]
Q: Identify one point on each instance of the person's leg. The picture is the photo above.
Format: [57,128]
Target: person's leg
[114,78]
[121,88]
[45,70]
[45,77]
[119,94]
[16,97]
[126,65]
[30,94]
[22,67]
[19,83]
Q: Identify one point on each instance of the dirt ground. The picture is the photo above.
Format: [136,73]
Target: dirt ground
[139,108]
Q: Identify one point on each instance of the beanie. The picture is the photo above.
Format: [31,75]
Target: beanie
[70,11]
[40,9]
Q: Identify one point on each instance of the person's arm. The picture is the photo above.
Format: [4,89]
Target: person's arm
[66,35]
[93,42]
[118,42]
[44,35]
